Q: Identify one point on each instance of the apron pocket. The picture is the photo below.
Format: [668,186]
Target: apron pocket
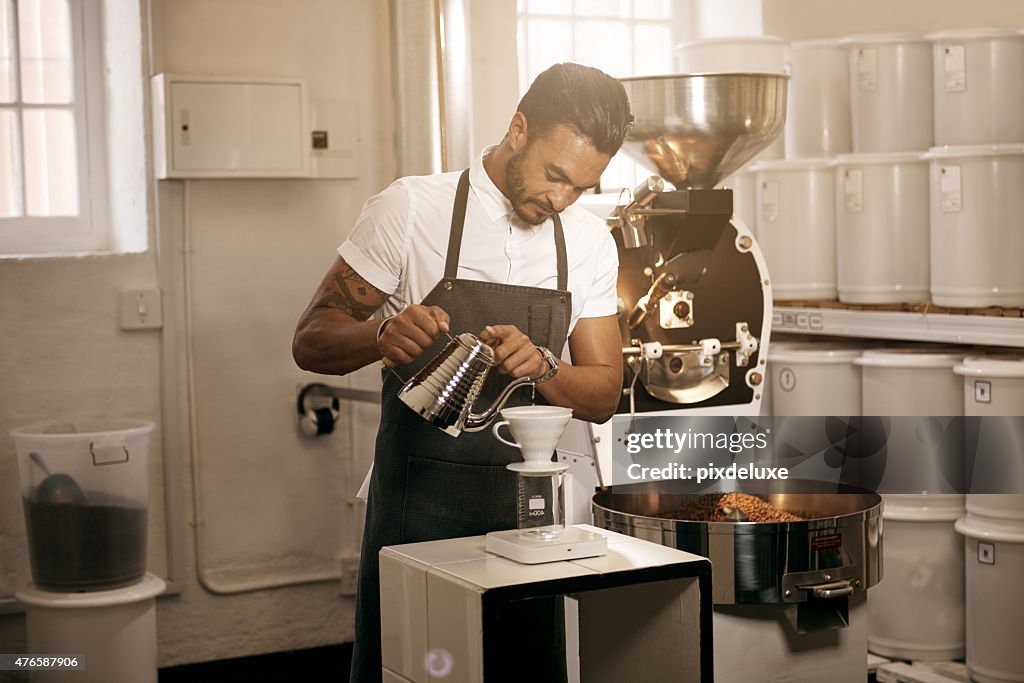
[539,324]
[452,500]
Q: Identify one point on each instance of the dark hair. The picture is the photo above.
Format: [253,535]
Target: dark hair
[587,100]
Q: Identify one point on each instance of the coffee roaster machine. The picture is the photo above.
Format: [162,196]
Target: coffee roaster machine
[694,317]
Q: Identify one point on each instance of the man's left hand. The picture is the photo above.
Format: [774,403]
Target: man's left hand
[514,353]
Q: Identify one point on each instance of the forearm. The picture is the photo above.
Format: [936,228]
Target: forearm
[332,343]
[592,391]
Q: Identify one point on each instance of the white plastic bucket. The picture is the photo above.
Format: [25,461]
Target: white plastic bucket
[993,530]
[732,54]
[115,630]
[85,492]
[923,449]
[978,86]
[917,610]
[814,379]
[977,225]
[993,385]
[890,92]
[818,114]
[882,228]
[744,197]
[796,226]
[911,381]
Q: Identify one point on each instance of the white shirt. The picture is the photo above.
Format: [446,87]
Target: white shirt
[400,242]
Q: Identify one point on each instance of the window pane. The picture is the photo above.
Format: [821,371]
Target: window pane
[653,50]
[622,172]
[549,42]
[44,43]
[652,9]
[10,182]
[6,51]
[602,8]
[51,169]
[550,7]
[605,45]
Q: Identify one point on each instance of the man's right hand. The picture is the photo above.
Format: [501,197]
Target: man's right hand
[410,333]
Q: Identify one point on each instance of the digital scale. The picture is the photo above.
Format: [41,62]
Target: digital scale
[541,534]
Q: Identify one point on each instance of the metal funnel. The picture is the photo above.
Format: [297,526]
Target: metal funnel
[695,129]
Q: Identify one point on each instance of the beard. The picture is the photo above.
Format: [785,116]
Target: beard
[515,184]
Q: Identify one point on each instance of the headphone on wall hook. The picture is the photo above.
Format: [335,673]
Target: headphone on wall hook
[318,409]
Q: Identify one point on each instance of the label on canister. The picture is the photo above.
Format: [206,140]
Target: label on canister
[986,552]
[787,379]
[770,200]
[950,197]
[867,68]
[953,67]
[853,190]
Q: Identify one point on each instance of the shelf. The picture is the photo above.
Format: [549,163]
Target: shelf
[955,328]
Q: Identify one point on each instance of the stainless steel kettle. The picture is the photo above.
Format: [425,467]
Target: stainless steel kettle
[444,390]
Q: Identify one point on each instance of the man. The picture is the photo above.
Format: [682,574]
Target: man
[494,250]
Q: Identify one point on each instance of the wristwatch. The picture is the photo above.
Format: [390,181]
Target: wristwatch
[552,360]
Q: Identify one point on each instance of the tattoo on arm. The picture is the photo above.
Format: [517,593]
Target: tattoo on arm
[353,295]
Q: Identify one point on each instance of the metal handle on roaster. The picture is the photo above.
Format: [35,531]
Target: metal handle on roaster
[835,589]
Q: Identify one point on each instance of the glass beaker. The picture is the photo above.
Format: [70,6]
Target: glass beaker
[540,505]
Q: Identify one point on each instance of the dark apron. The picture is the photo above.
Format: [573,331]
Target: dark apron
[427,485]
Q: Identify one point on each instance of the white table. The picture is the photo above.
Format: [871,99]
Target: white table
[644,610]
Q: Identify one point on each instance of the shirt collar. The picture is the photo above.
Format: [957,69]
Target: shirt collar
[494,203]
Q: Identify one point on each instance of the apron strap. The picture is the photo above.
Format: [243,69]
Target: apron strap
[563,269]
[451,264]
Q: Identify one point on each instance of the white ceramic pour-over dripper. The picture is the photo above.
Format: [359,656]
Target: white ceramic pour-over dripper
[536,430]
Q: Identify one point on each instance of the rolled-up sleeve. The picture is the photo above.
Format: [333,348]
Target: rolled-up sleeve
[377,249]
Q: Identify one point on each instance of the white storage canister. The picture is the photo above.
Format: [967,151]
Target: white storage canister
[993,530]
[994,386]
[796,226]
[732,54]
[743,185]
[917,610]
[114,630]
[890,92]
[978,86]
[911,381]
[977,225]
[818,116]
[882,228]
[814,379]
[915,387]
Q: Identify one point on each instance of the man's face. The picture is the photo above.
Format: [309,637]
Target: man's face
[550,172]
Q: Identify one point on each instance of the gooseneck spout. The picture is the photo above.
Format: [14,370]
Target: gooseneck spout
[476,422]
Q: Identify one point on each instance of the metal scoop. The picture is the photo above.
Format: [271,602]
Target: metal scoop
[734,514]
[57,488]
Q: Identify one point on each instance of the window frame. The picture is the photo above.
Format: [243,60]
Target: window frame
[89,231]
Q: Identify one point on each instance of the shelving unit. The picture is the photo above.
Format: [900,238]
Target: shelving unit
[910,322]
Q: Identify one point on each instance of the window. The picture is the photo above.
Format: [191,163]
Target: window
[621,37]
[52,171]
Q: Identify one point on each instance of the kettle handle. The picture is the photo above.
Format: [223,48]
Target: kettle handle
[476,422]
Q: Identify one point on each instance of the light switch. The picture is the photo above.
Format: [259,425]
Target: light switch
[140,309]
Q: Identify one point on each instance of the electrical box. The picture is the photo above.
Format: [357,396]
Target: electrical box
[222,127]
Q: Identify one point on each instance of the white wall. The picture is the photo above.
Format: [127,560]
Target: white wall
[807,19]
[276,507]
